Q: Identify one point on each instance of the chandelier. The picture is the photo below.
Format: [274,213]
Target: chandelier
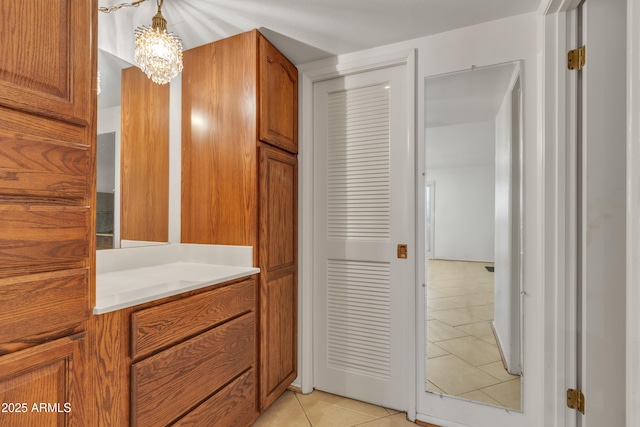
[157,52]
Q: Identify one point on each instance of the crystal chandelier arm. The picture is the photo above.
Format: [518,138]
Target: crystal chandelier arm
[110,9]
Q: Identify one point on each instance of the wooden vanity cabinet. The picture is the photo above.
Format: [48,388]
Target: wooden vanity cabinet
[47,175]
[183,360]
[278,99]
[278,252]
[239,179]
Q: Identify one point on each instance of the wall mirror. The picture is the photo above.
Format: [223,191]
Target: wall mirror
[473,197]
[133,157]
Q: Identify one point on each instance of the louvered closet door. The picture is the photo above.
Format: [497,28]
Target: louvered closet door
[363,184]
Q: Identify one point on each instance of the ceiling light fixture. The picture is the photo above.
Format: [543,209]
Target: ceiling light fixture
[158,52]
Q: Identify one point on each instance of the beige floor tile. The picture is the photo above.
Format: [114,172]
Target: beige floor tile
[450,283]
[439,331]
[455,376]
[391,411]
[496,370]
[445,292]
[433,350]
[479,396]
[481,330]
[434,388]
[486,287]
[482,312]
[508,394]
[447,303]
[456,317]
[328,410]
[472,350]
[453,291]
[285,412]
[397,420]
[478,298]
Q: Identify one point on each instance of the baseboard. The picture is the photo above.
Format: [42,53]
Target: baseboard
[424,424]
[295,388]
[495,335]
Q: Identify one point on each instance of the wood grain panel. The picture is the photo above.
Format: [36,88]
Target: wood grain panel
[110,368]
[42,167]
[278,208]
[167,385]
[278,98]
[51,374]
[41,128]
[31,235]
[31,305]
[144,159]
[45,61]
[278,337]
[233,406]
[157,327]
[219,167]
[278,277]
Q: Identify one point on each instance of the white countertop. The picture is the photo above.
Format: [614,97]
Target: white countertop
[126,288]
[163,272]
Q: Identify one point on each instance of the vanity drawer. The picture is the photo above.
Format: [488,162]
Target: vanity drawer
[234,405]
[158,327]
[45,302]
[167,385]
[39,235]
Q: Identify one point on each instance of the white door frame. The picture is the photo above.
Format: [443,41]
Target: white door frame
[432,204]
[556,17]
[559,223]
[633,213]
[308,75]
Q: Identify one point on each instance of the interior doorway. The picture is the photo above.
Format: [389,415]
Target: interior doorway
[364,258]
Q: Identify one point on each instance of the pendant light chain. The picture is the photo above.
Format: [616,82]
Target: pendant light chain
[110,9]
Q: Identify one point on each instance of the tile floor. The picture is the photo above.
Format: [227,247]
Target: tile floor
[320,409]
[463,358]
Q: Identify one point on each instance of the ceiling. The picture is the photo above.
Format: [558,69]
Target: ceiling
[304,30]
[468,96]
[461,109]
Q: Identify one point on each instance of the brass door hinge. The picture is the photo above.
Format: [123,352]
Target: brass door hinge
[575,400]
[576,58]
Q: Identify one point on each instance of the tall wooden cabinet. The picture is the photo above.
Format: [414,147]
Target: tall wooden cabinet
[47,175]
[239,179]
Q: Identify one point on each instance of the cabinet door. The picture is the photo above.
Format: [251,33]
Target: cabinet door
[278,276]
[278,98]
[42,386]
[47,165]
[45,59]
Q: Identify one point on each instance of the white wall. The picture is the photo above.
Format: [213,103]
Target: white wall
[106,158]
[460,162]
[108,122]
